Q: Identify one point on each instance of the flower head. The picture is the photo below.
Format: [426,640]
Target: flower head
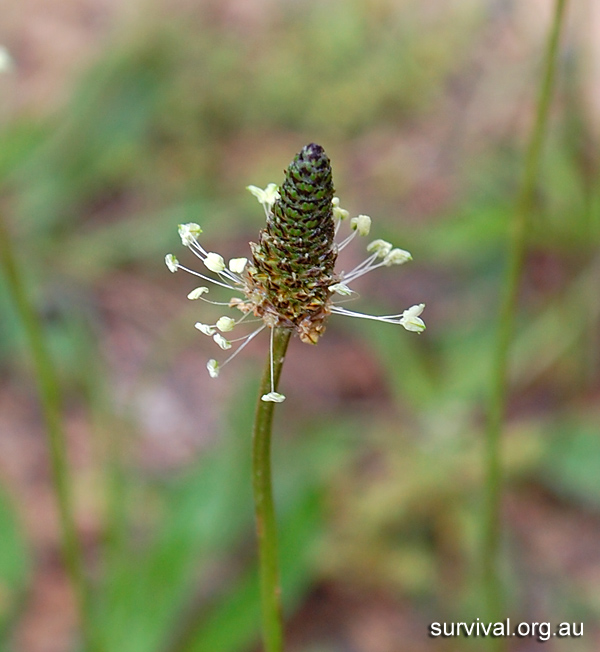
[294,259]
[291,281]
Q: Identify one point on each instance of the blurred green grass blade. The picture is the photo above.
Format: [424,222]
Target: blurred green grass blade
[142,237]
[14,565]
[472,235]
[10,339]
[465,357]
[233,625]
[572,459]
[405,360]
[100,142]
[560,328]
[19,141]
[202,515]
[206,514]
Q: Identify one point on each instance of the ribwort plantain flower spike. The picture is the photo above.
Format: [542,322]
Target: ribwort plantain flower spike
[293,262]
[291,282]
[289,285]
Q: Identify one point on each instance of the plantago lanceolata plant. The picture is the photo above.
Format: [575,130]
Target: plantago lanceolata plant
[290,286]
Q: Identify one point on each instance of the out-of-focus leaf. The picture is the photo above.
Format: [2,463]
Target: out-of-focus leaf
[19,142]
[14,564]
[146,238]
[100,143]
[9,324]
[234,624]
[474,235]
[207,513]
[572,460]
[204,513]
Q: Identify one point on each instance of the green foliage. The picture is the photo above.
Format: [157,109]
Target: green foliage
[15,565]
[572,457]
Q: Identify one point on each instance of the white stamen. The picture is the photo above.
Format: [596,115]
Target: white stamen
[214,262]
[172,263]
[271,359]
[410,318]
[188,233]
[342,289]
[205,328]
[350,313]
[221,341]
[213,368]
[340,213]
[225,324]
[273,397]
[346,241]
[197,293]
[397,257]
[381,247]
[207,278]
[248,339]
[198,250]
[266,197]
[361,224]
[237,265]
[216,303]
[365,267]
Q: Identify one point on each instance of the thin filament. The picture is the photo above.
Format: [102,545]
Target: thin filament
[271,359]
[249,338]
[207,278]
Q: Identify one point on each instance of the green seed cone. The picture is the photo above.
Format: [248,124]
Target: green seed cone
[295,256]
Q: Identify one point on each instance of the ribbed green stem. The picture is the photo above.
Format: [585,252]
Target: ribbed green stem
[49,393]
[525,202]
[266,525]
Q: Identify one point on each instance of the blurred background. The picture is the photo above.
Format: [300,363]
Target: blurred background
[121,120]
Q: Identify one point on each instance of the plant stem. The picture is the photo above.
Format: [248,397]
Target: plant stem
[49,393]
[497,403]
[266,526]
